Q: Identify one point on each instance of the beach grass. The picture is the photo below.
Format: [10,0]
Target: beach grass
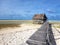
[15,23]
[57,26]
[8,25]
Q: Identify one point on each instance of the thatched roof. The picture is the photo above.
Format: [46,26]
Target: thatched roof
[39,16]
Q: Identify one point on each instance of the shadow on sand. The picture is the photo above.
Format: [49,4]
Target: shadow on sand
[51,36]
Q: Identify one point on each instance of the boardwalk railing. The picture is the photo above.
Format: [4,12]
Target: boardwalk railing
[43,36]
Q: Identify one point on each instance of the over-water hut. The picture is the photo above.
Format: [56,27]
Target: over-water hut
[39,18]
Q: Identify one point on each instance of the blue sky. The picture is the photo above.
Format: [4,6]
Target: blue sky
[25,9]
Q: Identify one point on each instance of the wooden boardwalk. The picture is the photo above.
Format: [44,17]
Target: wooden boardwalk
[43,36]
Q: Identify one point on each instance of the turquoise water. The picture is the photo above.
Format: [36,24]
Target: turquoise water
[56,21]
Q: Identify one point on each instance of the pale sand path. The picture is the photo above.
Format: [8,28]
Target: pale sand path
[17,35]
[56,35]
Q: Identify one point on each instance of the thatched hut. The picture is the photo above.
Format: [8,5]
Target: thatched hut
[39,18]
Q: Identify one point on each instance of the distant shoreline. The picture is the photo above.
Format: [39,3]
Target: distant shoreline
[28,20]
[23,21]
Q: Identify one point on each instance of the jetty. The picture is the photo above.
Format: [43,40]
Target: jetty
[43,36]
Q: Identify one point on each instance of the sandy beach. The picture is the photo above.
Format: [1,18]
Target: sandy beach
[56,33]
[17,35]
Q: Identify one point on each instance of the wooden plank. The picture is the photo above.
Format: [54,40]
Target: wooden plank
[43,36]
[39,37]
[34,42]
[50,36]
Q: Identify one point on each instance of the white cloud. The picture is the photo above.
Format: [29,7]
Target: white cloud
[51,11]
